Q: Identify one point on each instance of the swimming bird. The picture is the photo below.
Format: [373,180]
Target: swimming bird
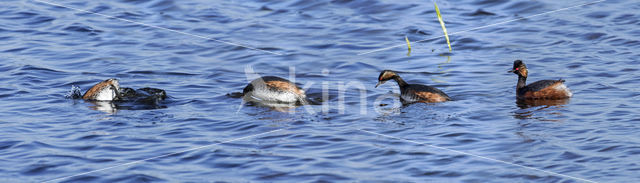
[543,89]
[107,90]
[410,93]
[273,89]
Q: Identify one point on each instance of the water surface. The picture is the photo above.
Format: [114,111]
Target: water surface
[46,50]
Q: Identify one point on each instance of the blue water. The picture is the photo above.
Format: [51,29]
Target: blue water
[46,50]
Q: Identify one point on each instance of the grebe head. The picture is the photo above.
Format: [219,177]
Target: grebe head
[519,68]
[385,76]
[106,90]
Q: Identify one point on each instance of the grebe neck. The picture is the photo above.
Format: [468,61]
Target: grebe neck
[400,81]
[522,82]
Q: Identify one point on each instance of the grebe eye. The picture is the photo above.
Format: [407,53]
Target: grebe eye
[517,69]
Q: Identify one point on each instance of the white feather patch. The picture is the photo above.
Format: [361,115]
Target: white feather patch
[565,89]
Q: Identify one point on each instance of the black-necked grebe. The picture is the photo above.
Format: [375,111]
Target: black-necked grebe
[110,90]
[543,89]
[410,93]
[106,90]
[272,89]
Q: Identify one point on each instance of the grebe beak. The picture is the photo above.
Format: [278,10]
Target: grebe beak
[379,83]
[512,70]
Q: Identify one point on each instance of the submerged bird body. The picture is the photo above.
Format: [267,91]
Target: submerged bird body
[272,89]
[143,95]
[410,93]
[543,89]
[107,90]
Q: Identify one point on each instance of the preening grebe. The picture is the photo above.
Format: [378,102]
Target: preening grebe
[107,90]
[272,89]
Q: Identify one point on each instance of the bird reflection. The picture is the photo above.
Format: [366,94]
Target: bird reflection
[524,104]
[441,68]
[543,110]
[280,107]
[104,106]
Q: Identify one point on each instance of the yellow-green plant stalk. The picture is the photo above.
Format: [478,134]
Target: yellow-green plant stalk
[444,29]
[408,45]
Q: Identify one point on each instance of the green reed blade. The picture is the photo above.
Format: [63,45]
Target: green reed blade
[444,29]
[408,45]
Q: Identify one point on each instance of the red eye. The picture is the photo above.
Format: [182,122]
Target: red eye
[517,69]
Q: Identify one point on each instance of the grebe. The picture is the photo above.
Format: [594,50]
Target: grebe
[110,90]
[272,89]
[410,93]
[107,90]
[543,89]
